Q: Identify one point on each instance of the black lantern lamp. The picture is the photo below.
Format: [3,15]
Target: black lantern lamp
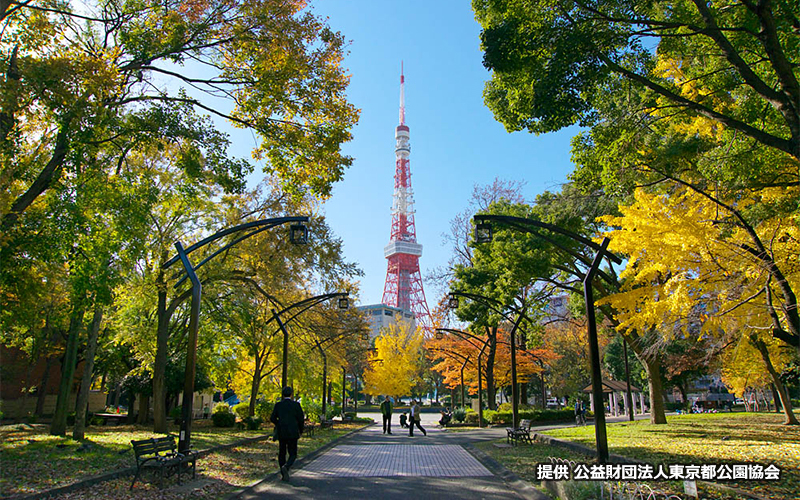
[452,301]
[483,232]
[439,335]
[344,303]
[298,234]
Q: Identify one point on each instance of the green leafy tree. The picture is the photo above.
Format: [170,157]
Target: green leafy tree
[269,66]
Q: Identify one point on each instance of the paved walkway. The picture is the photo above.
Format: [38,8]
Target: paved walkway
[372,465]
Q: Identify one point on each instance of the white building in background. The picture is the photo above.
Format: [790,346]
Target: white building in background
[382,316]
[557,309]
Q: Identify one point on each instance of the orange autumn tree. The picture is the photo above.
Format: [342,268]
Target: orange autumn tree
[451,351]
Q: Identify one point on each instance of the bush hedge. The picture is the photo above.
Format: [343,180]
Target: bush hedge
[223,416]
[241,410]
[504,417]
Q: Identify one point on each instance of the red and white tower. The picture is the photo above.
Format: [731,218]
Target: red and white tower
[403,287]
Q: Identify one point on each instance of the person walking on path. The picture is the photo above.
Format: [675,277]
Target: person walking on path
[288,419]
[386,411]
[415,420]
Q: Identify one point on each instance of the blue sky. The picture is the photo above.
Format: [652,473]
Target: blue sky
[455,141]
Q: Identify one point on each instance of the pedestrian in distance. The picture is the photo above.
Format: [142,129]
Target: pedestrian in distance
[580,419]
[386,411]
[415,420]
[289,420]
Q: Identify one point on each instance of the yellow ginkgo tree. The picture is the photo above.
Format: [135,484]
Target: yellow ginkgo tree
[393,365]
[698,267]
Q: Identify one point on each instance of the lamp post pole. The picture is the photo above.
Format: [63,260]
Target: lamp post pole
[298,234]
[483,233]
[627,381]
[344,392]
[594,354]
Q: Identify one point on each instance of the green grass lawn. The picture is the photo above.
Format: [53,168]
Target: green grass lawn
[33,461]
[720,438]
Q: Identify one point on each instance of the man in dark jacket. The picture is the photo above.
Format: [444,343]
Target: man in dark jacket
[386,411]
[288,419]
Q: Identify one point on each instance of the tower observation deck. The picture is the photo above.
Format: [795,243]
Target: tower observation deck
[403,287]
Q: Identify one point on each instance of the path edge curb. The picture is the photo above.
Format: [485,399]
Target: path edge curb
[515,483]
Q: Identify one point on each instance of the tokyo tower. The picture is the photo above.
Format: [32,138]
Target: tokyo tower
[403,287]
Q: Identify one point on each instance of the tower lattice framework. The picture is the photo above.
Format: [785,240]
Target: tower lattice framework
[403,287]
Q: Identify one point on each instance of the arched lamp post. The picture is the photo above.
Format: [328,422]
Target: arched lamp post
[320,345]
[457,356]
[483,234]
[440,334]
[342,303]
[452,302]
[298,234]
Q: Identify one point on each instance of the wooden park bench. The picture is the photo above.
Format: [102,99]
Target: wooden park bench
[521,433]
[326,424]
[159,454]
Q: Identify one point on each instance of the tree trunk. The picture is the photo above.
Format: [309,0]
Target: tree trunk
[59,425]
[160,362]
[776,398]
[790,418]
[653,368]
[116,394]
[81,406]
[131,411]
[490,388]
[41,394]
[544,391]
[681,387]
[251,408]
[144,409]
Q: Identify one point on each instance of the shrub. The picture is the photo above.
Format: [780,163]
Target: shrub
[332,411]
[31,418]
[459,414]
[175,414]
[350,414]
[223,416]
[264,409]
[670,406]
[472,418]
[252,423]
[505,417]
[311,409]
[242,410]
